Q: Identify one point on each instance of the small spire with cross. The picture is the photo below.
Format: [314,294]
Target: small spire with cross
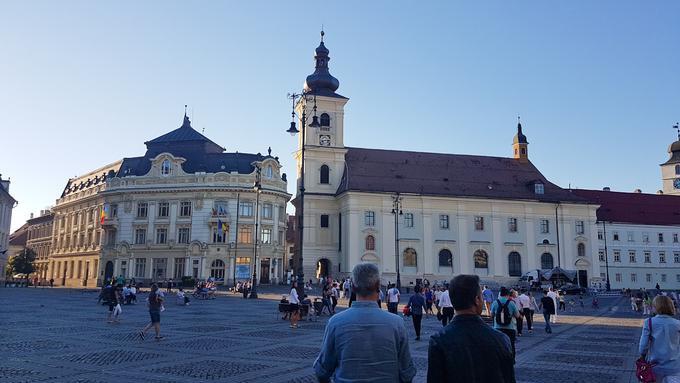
[677,127]
[322,33]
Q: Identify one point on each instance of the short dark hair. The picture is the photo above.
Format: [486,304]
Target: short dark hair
[504,291]
[463,289]
[417,289]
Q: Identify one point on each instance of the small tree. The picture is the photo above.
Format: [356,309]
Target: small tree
[22,263]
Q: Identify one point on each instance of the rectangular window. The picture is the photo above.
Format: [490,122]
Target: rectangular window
[220,209]
[140,267]
[408,220]
[245,209]
[158,268]
[512,225]
[185,209]
[219,235]
[617,256]
[245,234]
[163,209]
[324,220]
[183,235]
[660,237]
[142,209]
[633,277]
[369,218]
[545,226]
[600,236]
[662,257]
[618,277]
[663,277]
[580,227]
[676,257]
[161,235]
[282,213]
[648,277]
[479,223]
[677,277]
[631,256]
[444,221]
[616,235]
[675,237]
[266,236]
[601,253]
[631,237]
[267,211]
[140,236]
[539,188]
[178,273]
[645,237]
[648,257]
[114,210]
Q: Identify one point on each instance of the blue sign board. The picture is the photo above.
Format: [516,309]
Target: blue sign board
[242,271]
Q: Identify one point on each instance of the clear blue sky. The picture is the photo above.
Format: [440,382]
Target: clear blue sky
[85,83]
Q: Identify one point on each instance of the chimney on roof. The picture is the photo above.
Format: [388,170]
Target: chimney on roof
[659,191]
[637,191]
[606,188]
[31,216]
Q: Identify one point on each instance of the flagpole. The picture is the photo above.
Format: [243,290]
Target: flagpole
[238,203]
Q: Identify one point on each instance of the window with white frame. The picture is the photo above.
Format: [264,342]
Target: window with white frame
[166,168]
[648,257]
[140,267]
[675,237]
[663,277]
[545,226]
[631,237]
[408,220]
[324,221]
[645,237]
[539,188]
[617,256]
[618,277]
[600,236]
[616,235]
[163,209]
[268,172]
[370,243]
[512,225]
[218,235]
[266,235]
[660,237]
[580,227]
[601,254]
[245,234]
[444,221]
[267,211]
[183,235]
[369,218]
[161,235]
[633,277]
[140,236]
[631,256]
[185,209]
[676,257]
[245,209]
[662,257]
[479,223]
[114,211]
[142,209]
[648,277]
[677,277]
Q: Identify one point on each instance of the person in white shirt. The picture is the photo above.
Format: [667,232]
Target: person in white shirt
[294,301]
[445,306]
[524,306]
[393,295]
[552,295]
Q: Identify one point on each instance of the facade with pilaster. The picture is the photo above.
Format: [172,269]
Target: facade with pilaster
[39,239]
[7,203]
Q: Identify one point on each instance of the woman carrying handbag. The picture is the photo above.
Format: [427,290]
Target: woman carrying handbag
[660,345]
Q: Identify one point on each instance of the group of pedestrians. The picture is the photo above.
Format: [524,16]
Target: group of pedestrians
[365,343]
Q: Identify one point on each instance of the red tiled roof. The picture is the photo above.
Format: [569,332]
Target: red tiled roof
[638,208]
[390,171]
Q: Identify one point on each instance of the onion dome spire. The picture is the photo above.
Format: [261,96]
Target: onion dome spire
[321,81]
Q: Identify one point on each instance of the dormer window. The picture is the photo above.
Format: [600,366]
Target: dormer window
[325,119]
[539,188]
[268,172]
[166,168]
[677,167]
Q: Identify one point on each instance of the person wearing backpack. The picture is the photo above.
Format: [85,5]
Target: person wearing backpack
[505,314]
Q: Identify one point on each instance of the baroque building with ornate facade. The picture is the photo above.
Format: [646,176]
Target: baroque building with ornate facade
[496,217]
[7,203]
[39,239]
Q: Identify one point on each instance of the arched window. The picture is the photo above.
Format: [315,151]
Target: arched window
[325,119]
[481,259]
[370,242]
[514,264]
[268,172]
[445,258]
[546,261]
[410,258]
[324,174]
[217,269]
[166,168]
[581,250]
[677,169]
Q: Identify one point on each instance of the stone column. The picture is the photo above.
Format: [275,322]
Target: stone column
[499,259]
[427,258]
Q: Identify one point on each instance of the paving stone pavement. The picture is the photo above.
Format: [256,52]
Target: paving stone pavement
[60,335]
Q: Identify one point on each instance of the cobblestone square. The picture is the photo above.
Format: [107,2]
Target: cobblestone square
[61,335]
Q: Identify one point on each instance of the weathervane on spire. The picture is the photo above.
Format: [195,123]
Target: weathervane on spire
[677,127]
[185,109]
[322,33]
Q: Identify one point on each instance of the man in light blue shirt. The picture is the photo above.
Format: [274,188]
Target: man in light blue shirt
[508,328]
[365,343]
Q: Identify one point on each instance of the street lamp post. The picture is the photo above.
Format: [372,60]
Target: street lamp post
[606,256]
[257,186]
[396,210]
[301,203]
[230,247]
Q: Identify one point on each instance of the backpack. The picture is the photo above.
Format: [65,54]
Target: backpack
[503,316]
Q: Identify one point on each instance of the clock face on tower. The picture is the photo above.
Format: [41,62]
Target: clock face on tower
[676,183]
[325,140]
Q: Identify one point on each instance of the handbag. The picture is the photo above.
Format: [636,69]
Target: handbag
[643,367]
[406,311]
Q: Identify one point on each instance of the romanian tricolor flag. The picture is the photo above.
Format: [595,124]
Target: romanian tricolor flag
[225,227]
[103,214]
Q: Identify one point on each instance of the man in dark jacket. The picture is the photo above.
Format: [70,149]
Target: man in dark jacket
[468,350]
